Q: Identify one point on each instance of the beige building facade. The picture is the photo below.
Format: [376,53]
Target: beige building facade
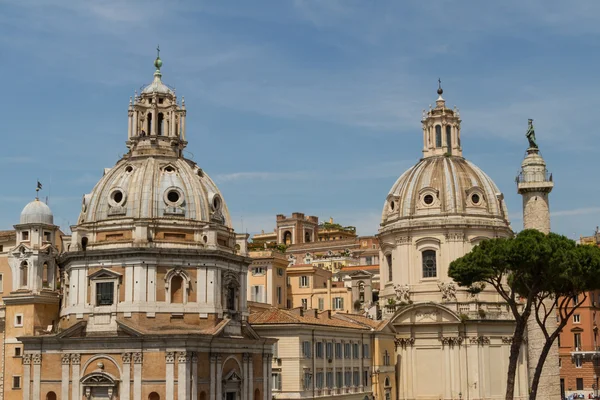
[437,211]
[150,301]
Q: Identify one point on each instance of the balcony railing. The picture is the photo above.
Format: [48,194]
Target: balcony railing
[585,351]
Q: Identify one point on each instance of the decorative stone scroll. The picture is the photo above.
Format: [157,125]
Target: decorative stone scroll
[451,340]
[507,339]
[404,342]
[448,290]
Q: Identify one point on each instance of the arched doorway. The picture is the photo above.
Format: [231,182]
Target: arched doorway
[287,238]
[153,396]
[257,394]
[51,396]
[202,395]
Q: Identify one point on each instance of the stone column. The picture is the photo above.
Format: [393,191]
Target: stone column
[26,360]
[170,374]
[136,117]
[37,365]
[265,379]
[183,128]
[213,377]
[138,358]
[125,391]
[268,377]
[245,376]
[64,383]
[154,119]
[129,124]
[75,363]
[194,390]
[219,382]
[250,377]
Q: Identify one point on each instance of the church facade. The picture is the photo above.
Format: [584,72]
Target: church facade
[437,211]
[147,299]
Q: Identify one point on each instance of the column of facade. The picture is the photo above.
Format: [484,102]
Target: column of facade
[154,118]
[334,366]
[125,392]
[37,376]
[75,364]
[268,377]
[219,384]
[64,382]
[250,377]
[138,358]
[172,123]
[194,390]
[26,360]
[170,374]
[213,377]
[129,124]
[183,360]
[447,379]
[244,376]
[134,128]
[265,379]
[183,125]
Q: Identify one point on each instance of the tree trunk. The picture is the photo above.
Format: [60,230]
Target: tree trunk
[540,365]
[513,360]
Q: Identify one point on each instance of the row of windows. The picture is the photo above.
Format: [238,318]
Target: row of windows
[337,303]
[438,137]
[25,236]
[340,350]
[326,379]
[428,264]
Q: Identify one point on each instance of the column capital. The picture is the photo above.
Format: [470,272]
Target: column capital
[75,359]
[126,357]
[66,359]
[26,360]
[170,357]
[194,357]
[183,357]
[37,358]
[138,357]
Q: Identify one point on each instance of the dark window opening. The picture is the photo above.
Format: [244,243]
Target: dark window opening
[475,198]
[160,124]
[388,259]
[84,242]
[438,136]
[149,125]
[307,237]
[579,382]
[429,264]
[449,138]
[173,196]
[428,199]
[105,293]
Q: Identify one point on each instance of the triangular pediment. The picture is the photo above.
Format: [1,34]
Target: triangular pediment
[104,273]
[232,377]
[361,274]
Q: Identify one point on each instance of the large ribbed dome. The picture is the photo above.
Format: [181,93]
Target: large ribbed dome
[37,212]
[155,188]
[444,185]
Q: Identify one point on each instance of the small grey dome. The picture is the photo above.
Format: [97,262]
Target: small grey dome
[37,212]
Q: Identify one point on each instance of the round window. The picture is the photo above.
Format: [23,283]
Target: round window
[428,199]
[216,202]
[116,197]
[129,168]
[475,198]
[169,169]
[173,196]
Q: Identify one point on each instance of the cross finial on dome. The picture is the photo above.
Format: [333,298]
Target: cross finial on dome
[440,90]
[158,61]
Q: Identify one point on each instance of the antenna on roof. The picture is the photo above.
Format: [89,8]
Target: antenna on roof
[37,189]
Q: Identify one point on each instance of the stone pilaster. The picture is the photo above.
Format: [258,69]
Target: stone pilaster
[37,376]
[170,374]
[183,363]
[65,378]
[75,365]
[138,358]
[26,360]
[125,392]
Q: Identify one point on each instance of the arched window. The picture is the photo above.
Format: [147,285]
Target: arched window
[149,126]
[307,237]
[287,237]
[388,259]
[84,242]
[155,396]
[202,395]
[51,396]
[449,138]
[438,136]
[429,264]
[361,291]
[231,294]
[24,273]
[387,381]
[177,289]
[159,124]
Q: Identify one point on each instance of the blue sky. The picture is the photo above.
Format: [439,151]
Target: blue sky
[309,106]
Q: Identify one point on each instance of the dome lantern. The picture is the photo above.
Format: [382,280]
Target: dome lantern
[441,129]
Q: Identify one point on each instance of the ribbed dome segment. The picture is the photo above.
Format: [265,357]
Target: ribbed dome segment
[37,212]
[443,185]
[155,188]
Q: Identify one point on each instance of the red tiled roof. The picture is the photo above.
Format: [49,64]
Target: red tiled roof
[360,267]
[276,316]
[361,319]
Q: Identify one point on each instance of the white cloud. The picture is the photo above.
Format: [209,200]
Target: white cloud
[576,211]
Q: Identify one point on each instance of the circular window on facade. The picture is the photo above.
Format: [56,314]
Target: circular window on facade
[169,169]
[216,202]
[116,198]
[129,169]
[428,199]
[173,197]
[475,198]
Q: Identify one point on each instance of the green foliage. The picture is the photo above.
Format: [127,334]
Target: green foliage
[464,317]
[281,248]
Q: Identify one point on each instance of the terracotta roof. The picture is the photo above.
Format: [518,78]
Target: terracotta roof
[207,327]
[7,234]
[276,316]
[361,319]
[360,267]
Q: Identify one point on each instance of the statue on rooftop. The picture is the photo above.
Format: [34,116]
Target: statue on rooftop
[531,135]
